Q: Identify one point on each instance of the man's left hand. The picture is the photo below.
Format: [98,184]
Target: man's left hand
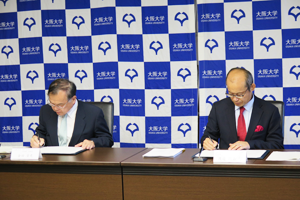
[239,145]
[86,144]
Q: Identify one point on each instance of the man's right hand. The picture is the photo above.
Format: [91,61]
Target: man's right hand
[35,143]
[209,144]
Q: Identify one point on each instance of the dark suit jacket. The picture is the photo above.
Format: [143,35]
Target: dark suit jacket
[89,124]
[222,125]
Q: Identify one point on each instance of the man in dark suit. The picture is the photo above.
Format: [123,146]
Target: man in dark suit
[258,127]
[65,121]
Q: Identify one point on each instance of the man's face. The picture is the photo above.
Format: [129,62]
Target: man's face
[236,85]
[60,103]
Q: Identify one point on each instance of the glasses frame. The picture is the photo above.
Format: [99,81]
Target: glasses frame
[237,96]
[59,107]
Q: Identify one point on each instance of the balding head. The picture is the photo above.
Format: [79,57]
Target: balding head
[240,76]
[240,86]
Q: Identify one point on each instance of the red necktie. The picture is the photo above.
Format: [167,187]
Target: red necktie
[241,128]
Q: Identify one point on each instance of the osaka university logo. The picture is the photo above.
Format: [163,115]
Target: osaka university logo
[81,74]
[296,71]
[54,48]
[184,73]
[32,126]
[181,17]
[267,42]
[4,2]
[32,75]
[10,102]
[157,101]
[156,46]
[29,22]
[7,50]
[107,98]
[238,15]
[104,46]
[132,128]
[184,128]
[211,44]
[295,128]
[131,73]
[294,11]
[271,96]
[78,21]
[212,99]
[129,18]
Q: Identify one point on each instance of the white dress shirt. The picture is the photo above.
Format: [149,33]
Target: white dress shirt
[71,116]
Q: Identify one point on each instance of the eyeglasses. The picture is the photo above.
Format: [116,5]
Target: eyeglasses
[237,95]
[58,106]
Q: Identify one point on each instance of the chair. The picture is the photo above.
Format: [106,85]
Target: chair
[108,111]
[280,106]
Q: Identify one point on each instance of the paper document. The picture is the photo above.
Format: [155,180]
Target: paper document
[61,150]
[284,156]
[258,154]
[164,153]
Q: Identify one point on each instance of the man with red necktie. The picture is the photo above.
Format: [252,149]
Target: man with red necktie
[242,121]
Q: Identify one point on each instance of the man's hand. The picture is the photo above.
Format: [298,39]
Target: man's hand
[86,144]
[239,145]
[209,144]
[35,143]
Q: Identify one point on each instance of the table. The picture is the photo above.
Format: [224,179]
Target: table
[181,178]
[122,173]
[93,174]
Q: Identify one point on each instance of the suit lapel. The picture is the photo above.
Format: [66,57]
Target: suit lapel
[53,128]
[255,117]
[231,119]
[79,125]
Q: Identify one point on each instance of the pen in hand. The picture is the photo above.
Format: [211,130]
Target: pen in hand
[39,140]
[211,140]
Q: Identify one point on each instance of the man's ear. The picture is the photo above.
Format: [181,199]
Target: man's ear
[253,86]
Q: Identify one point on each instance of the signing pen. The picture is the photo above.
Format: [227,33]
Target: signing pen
[211,139]
[39,140]
[198,158]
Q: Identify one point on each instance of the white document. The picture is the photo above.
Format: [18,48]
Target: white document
[250,153]
[164,153]
[284,156]
[61,150]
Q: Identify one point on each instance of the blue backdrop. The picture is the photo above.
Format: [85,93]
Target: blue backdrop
[153,59]
[140,55]
[261,36]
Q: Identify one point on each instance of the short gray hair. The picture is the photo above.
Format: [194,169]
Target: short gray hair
[62,84]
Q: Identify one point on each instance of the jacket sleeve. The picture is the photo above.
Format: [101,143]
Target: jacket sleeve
[102,136]
[212,127]
[41,129]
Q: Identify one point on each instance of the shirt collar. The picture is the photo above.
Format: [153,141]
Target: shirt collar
[248,106]
[71,113]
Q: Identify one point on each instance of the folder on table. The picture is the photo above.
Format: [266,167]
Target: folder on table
[251,154]
[164,153]
[62,150]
